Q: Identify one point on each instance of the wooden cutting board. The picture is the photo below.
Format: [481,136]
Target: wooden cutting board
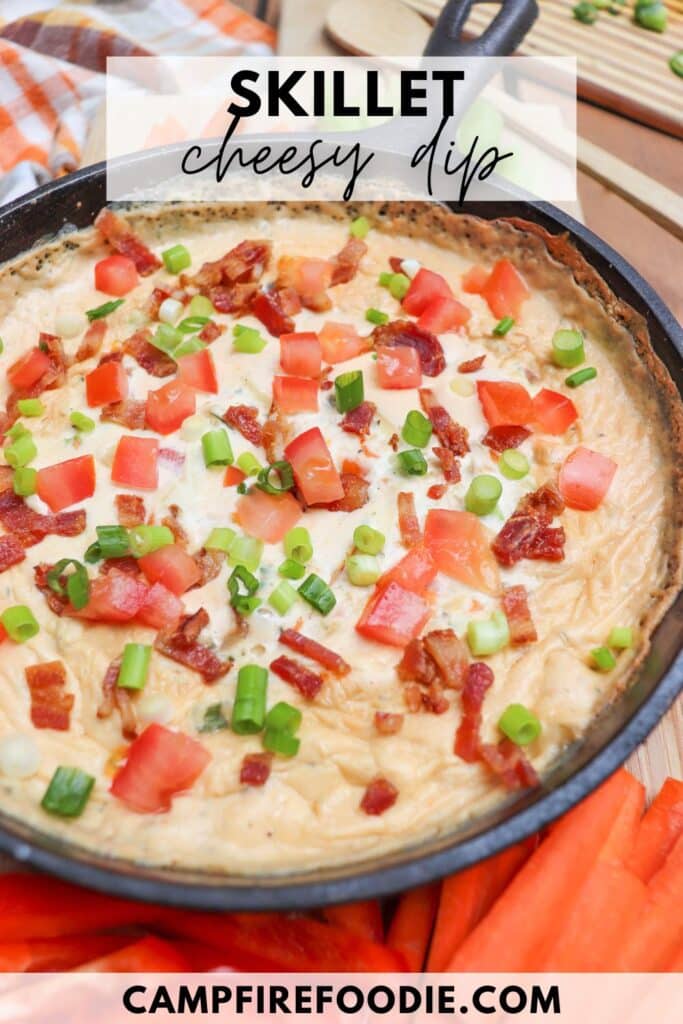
[620,65]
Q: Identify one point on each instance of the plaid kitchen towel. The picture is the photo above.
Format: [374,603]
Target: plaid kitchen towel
[53,58]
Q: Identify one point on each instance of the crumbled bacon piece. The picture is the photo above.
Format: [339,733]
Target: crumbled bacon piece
[437,491]
[417,665]
[516,607]
[472,365]
[50,705]
[6,478]
[276,432]
[429,665]
[449,654]
[114,696]
[275,309]
[126,563]
[316,652]
[115,230]
[301,678]
[154,302]
[346,262]
[478,681]
[172,521]
[359,420]
[450,434]
[528,534]
[450,464]
[379,796]
[150,358]
[129,413]
[545,503]
[130,509]
[53,376]
[54,602]
[394,442]
[11,552]
[508,762]
[408,523]
[232,298]
[245,263]
[407,333]
[211,331]
[91,342]
[255,769]
[503,437]
[387,723]
[356,490]
[309,278]
[396,264]
[245,419]
[209,563]
[31,527]
[181,644]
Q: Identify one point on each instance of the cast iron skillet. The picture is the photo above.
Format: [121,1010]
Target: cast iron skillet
[75,200]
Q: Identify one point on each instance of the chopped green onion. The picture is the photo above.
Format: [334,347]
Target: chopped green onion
[134,666]
[282,717]
[585,12]
[200,306]
[30,407]
[651,15]
[176,258]
[603,659]
[417,429]
[220,539]
[575,380]
[81,422]
[283,597]
[621,637]
[104,310]
[187,347]
[77,583]
[192,324]
[349,390]
[483,494]
[166,338]
[247,339]
[243,586]
[362,570]
[279,742]
[19,623]
[145,539]
[513,464]
[384,278]
[2,346]
[486,636]
[376,316]
[214,720]
[568,348]
[412,462]
[675,63]
[68,792]
[291,569]
[298,544]
[280,471]
[21,451]
[368,540]
[217,448]
[503,326]
[246,551]
[242,488]
[24,481]
[113,541]
[359,227]
[17,430]
[249,464]
[249,709]
[399,285]
[519,725]
[316,592]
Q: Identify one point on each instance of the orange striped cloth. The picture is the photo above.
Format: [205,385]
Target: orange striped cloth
[53,58]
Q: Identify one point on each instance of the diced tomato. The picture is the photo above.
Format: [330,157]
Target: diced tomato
[314,470]
[443,314]
[458,544]
[114,597]
[168,407]
[340,342]
[505,290]
[424,288]
[309,275]
[267,516]
[474,280]
[136,463]
[295,394]
[172,567]
[503,402]
[115,275]
[28,370]
[233,476]
[415,571]
[398,367]
[585,478]
[106,383]
[393,615]
[553,411]
[197,370]
[161,608]
[3,634]
[160,763]
[67,483]
[300,354]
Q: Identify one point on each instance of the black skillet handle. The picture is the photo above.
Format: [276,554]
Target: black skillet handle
[501,38]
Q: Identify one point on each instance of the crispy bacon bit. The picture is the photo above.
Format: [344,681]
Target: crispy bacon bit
[356,490]
[30,527]
[181,644]
[115,356]
[50,705]
[172,459]
[209,564]
[6,478]
[396,264]
[449,654]
[394,442]
[54,602]
[275,309]
[126,563]
[437,491]
[276,432]
[388,724]
[211,331]
[379,796]
[507,761]
[154,302]
[417,665]
[407,333]
[472,365]
[347,261]
[91,342]
[151,359]
[114,696]
[315,651]
[359,420]
[430,664]
[255,769]
[408,523]
[11,552]
[53,377]
[129,413]
[450,434]
[450,465]
[115,230]
[502,437]
[245,263]
[232,298]
[301,678]
[130,509]
[528,534]
[310,287]
[545,503]
[245,419]
[516,607]
[478,680]
[172,521]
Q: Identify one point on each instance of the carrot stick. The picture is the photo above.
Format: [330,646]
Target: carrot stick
[621,838]
[363,918]
[659,830]
[147,954]
[528,916]
[60,954]
[411,925]
[467,897]
[676,965]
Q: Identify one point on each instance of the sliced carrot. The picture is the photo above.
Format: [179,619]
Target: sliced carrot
[529,915]
[60,954]
[363,918]
[675,966]
[659,830]
[622,834]
[412,923]
[467,897]
[147,954]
